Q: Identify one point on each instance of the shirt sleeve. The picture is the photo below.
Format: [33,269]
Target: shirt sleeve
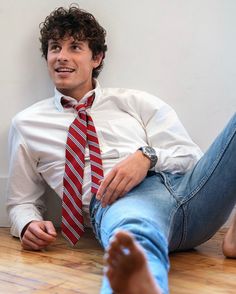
[25,185]
[176,151]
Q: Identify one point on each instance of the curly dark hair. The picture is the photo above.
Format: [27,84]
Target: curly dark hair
[78,24]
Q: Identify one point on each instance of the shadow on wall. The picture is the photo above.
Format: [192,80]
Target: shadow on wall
[53,204]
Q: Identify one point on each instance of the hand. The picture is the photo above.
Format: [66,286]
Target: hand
[38,235]
[123,177]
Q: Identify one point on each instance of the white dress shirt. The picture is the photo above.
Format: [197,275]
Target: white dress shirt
[124,119]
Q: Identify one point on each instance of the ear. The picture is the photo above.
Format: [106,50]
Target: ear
[97,60]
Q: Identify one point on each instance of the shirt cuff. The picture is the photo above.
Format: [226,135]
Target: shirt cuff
[18,226]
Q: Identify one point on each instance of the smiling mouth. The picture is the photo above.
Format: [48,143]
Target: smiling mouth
[64,70]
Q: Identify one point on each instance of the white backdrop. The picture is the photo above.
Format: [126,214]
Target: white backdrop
[181,50]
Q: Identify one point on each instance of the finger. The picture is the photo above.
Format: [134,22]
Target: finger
[34,239]
[31,242]
[120,190]
[50,229]
[129,186]
[105,183]
[39,230]
[29,245]
[111,189]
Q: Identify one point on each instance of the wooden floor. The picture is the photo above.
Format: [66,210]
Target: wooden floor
[61,269]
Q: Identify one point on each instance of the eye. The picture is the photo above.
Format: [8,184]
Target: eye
[54,48]
[76,47]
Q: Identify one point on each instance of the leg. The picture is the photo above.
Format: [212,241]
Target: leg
[146,212]
[127,268]
[207,194]
[229,243]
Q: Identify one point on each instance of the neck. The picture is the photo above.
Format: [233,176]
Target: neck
[78,94]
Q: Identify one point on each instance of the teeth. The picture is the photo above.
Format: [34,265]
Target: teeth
[64,70]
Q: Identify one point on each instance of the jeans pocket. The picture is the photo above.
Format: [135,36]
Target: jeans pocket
[95,217]
[172,183]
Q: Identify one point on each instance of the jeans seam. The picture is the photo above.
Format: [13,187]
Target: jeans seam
[171,224]
[209,173]
[168,186]
[185,225]
[93,219]
[200,185]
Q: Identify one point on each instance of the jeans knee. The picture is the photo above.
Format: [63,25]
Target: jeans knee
[147,233]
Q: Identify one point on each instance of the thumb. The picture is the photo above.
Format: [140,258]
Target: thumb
[50,229]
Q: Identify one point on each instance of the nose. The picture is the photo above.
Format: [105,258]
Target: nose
[63,55]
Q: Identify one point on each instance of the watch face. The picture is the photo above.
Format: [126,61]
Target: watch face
[149,150]
[151,154]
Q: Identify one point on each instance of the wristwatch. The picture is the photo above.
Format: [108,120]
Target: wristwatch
[150,153]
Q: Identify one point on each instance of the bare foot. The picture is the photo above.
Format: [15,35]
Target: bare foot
[127,268]
[229,243]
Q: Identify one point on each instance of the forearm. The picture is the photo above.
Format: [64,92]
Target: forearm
[178,159]
[176,151]
[25,185]
[21,215]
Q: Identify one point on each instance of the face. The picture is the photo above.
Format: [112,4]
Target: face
[70,64]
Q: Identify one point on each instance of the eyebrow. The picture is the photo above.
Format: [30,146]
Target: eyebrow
[80,42]
[72,42]
[52,42]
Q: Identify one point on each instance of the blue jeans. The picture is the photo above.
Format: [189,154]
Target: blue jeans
[171,212]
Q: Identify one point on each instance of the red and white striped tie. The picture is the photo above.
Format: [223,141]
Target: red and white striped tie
[81,131]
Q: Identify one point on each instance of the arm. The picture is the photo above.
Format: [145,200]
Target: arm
[176,152]
[164,132]
[25,187]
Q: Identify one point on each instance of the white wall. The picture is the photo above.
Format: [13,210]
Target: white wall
[180,50]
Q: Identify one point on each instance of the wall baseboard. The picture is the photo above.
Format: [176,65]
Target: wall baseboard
[53,203]
[4,221]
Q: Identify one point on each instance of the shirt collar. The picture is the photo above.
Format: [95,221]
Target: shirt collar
[58,95]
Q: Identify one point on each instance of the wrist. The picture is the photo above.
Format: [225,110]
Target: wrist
[144,160]
[149,153]
[25,228]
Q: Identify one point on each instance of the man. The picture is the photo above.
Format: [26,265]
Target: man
[120,159]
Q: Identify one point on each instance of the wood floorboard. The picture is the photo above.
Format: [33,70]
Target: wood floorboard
[203,270]
[61,269]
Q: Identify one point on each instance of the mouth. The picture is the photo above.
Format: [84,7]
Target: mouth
[64,70]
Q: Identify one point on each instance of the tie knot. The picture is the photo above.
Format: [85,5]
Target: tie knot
[78,106]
